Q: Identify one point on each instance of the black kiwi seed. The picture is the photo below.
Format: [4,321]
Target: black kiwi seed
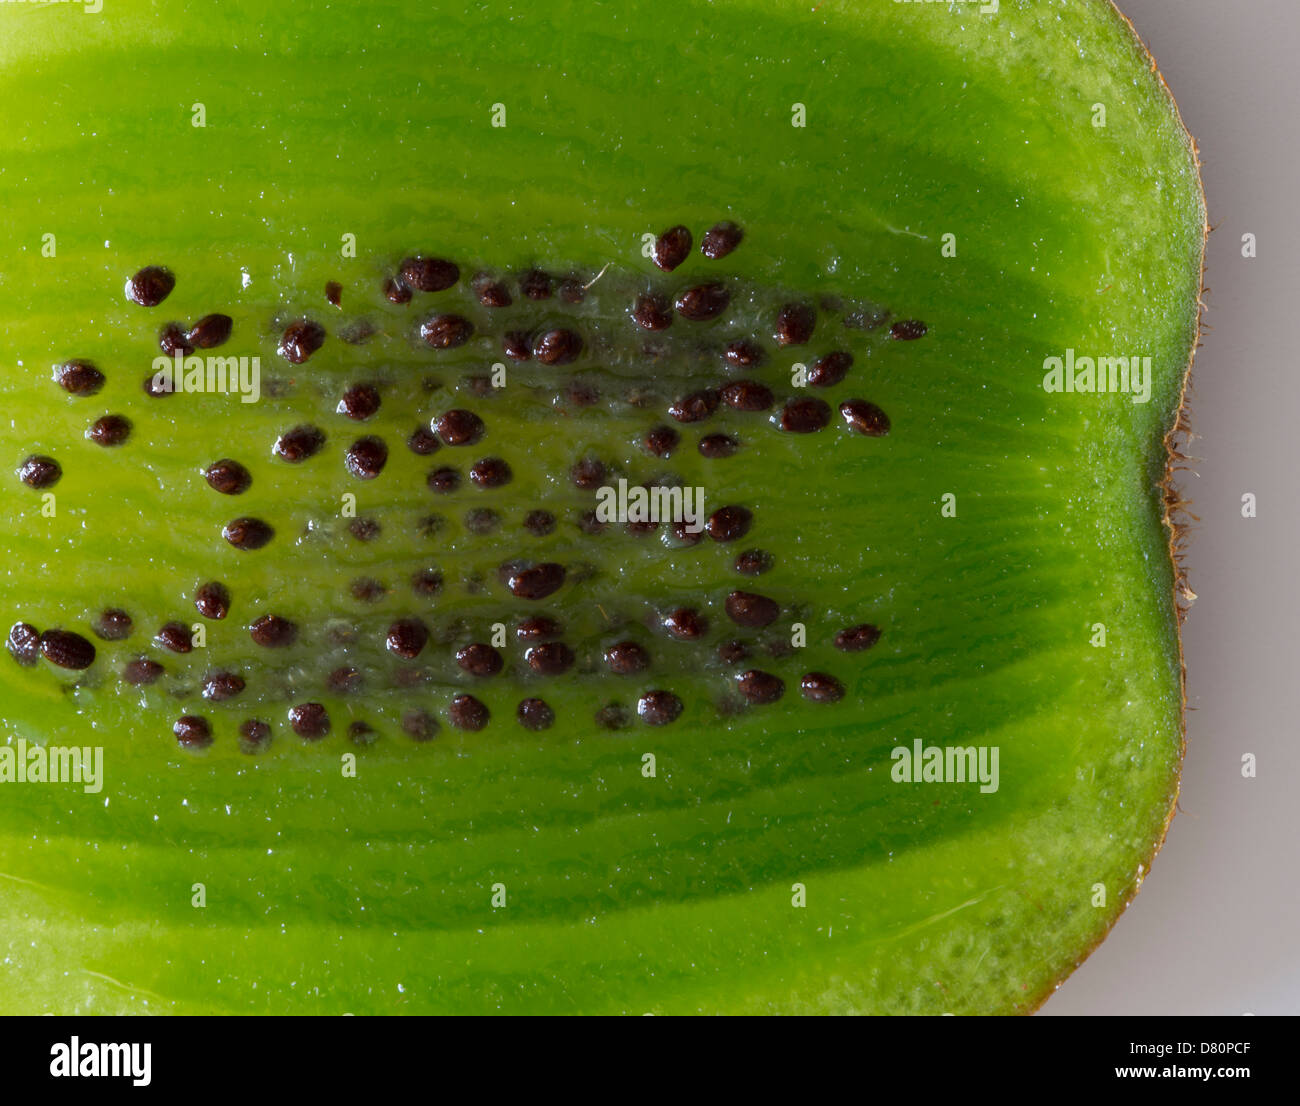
[572,290]
[821,688]
[908,330]
[652,312]
[358,332]
[536,582]
[109,430]
[491,293]
[685,624]
[174,636]
[695,407]
[482,520]
[550,659]
[24,643]
[747,395]
[720,239]
[744,608]
[364,529]
[537,628]
[228,477]
[141,671]
[428,581]
[446,331]
[588,523]
[659,708]
[113,624]
[683,534]
[536,285]
[247,533]
[794,324]
[587,473]
[157,388]
[359,402]
[362,733]
[395,291]
[430,526]
[557,347]
[535,714]
[612,716]
[300,340]
[212,600]
[458,427]
[66,649]
[254,735]
[805,416]
[407,638]
[78,378]
[193,731]
[40,472]
[299,443]
[366,589]
[539,523]
[173,339]
[479,660]
[345,681]
[661,441]
[333,293]
[743,354]
[429,274]
[866,418]
[830,370]
[857,638]
[479,385]
[729,523]
[490,472]
[422,441]
[718,445]
[515,345]
[150,286]
[467,713]
[733,652]
[219,686]
[443,480]
[754,562]
[210,331]
[309,720]
[672,248]
[626,658]
[366,457]
[703,302]
[420,725]
[580,393]
[760,687]
[273,632]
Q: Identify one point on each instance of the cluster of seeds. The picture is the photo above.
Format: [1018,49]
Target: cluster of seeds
[407,639]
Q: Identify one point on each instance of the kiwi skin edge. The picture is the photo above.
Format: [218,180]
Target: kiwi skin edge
[1177,515]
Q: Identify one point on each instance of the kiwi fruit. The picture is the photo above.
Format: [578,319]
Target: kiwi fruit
[402,705]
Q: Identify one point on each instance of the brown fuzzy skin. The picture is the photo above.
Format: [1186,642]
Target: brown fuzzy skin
[1177,520]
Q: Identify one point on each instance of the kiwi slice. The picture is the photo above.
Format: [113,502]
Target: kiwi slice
[401,704]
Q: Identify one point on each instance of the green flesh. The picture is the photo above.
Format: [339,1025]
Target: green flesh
[373,894]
